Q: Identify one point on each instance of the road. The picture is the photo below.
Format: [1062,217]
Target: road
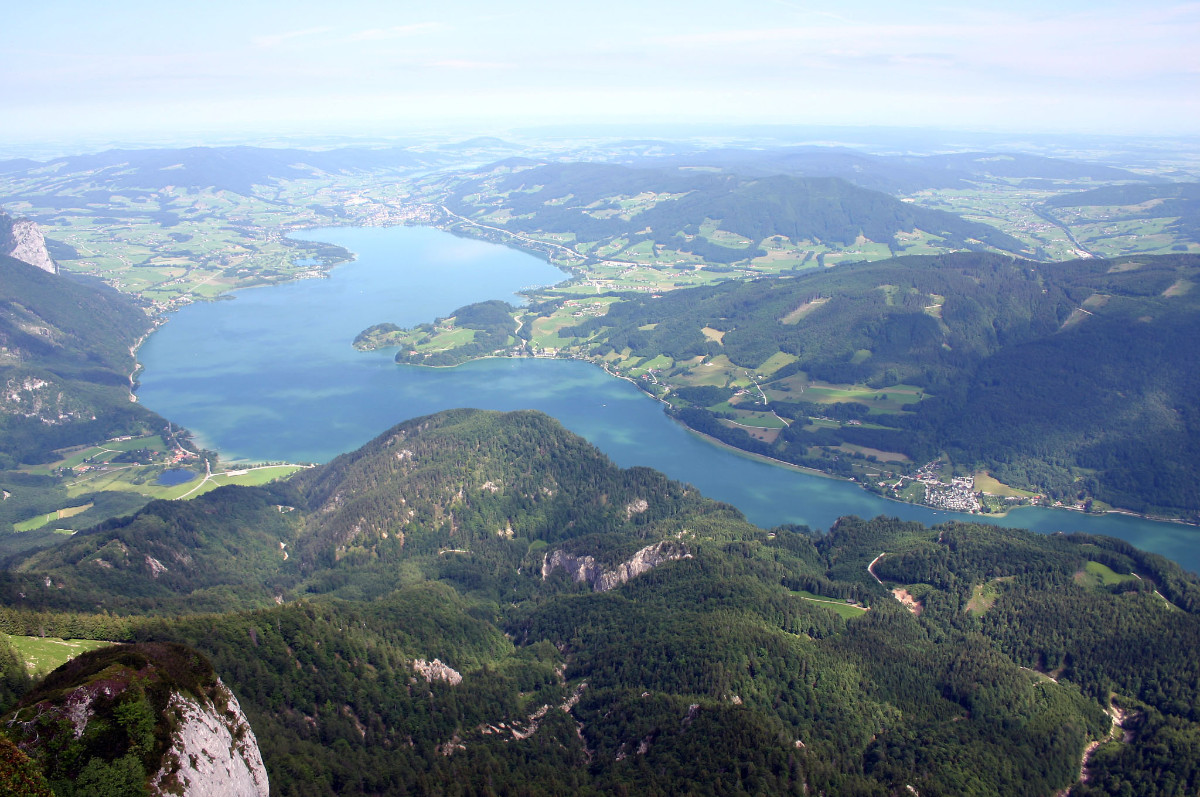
[526,239]
[1074,242]
[871,570]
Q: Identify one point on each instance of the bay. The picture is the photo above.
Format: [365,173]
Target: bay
[270,375]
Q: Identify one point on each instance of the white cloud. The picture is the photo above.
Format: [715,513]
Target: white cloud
[465,64]
[275,39]
[394,32]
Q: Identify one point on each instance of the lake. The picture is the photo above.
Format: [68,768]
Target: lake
[270,375]
[174,478]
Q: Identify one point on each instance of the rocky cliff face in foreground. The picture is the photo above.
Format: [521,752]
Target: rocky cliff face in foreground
[22,239]
[213,751]
[151,718]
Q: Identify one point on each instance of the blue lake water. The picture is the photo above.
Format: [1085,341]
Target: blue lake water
[171,478]
[271,376]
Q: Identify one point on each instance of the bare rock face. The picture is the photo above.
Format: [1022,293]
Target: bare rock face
[27,244]
[585,568]
[437,670]
[213,752]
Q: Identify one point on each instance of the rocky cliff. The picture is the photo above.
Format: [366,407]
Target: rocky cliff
[150,718]
[213,751]
[585,568]
[22,239]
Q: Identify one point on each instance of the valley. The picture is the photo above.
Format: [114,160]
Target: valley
[483,596]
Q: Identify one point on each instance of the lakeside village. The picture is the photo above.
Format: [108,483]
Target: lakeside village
[957,495]
[106,459]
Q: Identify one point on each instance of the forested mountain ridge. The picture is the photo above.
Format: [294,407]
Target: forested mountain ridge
[399,490]
[210,554]
[66,355]
[448,482]
[764,661]
[597,202]
[1002,364]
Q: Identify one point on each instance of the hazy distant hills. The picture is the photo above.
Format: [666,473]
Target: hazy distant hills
[587,200]
[889,173]
[1137,202]
[239,168]
[236,169]
[482,597]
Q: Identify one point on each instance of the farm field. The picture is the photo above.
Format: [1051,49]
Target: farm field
[43,520]
[986,483]
[142,480]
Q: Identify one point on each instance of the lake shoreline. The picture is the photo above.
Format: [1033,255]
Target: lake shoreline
[296,390]
[801,468]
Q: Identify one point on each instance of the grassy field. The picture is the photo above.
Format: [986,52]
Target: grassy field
[881,401]
[1095,574]
[42,520]
[983,596]
[775,362]
[251,476]
[846,610]
[658,363]
[43,654]
[913,492]
[882,456]
[142,480]
[544,329]
[762,420]
[985,483]
[103,452]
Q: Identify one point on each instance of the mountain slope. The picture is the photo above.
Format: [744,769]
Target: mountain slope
[459,644]
[1010,365]
[65,362]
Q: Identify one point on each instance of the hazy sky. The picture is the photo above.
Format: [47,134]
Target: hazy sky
[77,68]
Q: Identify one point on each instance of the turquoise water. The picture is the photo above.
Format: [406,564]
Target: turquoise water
[271,376]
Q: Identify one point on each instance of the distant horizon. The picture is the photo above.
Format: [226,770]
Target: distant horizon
[140,71]
[868,138]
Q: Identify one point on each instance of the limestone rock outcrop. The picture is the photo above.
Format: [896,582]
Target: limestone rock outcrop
[25,242]
[585,568]
[213,751]
[437,670]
